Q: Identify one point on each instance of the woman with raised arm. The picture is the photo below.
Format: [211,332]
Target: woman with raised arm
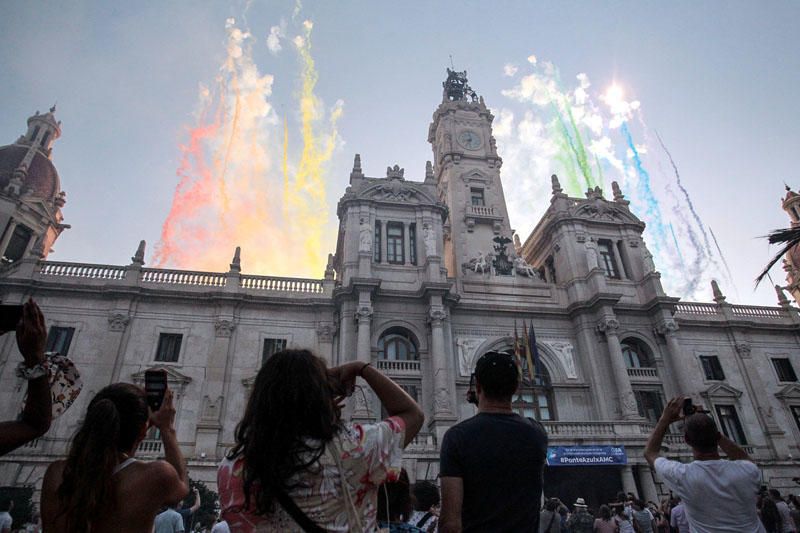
[100,486]
[296,466]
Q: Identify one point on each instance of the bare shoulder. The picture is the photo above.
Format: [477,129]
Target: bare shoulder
[53,475]
[163,475]
[158,471]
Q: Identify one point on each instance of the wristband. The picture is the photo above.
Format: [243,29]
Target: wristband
[33,372]
[361,370]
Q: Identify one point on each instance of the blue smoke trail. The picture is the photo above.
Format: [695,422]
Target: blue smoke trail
[686,195]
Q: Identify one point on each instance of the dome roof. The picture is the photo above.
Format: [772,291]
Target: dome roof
[42,179]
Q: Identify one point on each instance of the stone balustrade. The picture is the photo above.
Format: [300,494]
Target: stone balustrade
[598,430]
[271,283]
[481,211]
[80,270]
[757,311]
[150,447]
[716,312]
[398,367]
[697,309]
[423,442]
[189,279]
[643,373]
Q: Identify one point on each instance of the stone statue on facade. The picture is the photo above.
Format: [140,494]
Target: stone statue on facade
[517,244]
[441,402]
[466,350]
[591,254]
[564,352]
[364,237]
[503,266]
[479,263]
[522,267]
[429,238]
[647,259]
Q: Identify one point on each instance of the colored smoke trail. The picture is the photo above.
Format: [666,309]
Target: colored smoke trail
[573,126]
[228,176]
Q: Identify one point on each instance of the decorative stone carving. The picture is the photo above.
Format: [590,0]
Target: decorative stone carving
[441,401]
[502,264]
[556,185]
[429,238]
[782,300]
[522,267]
[618,196]
[466,352]
[356,172]
[628,402]
[224,327]
[429,171]
[364,236]
[608,325]
[517,244]
[210,411]
[236,262]
[437,316]
[666,327]
[564,352]
[138,257]
[364,314]
[480,263]
[329,271]
[325,332]
[580,237]
[118,321]
[743,349]
[718,296]
[591,254]
[395,172]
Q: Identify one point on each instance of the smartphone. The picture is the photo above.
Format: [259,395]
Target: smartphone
[155,385]
[10,315]
[688,408]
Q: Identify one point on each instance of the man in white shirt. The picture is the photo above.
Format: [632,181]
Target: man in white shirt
[677,518]
[719,495]
[783,509]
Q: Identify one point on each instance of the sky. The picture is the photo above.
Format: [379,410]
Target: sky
[202,126]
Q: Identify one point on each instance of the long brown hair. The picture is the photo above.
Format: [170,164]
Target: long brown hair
[114,420]
[289,419]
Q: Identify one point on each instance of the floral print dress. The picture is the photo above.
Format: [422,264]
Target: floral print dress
[369,454]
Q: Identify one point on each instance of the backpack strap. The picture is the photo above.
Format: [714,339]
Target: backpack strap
[297,514]
[427,516]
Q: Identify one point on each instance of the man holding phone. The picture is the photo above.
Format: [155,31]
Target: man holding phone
[31,339]
[719,495]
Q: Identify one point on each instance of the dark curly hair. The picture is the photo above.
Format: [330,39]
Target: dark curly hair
[290,417]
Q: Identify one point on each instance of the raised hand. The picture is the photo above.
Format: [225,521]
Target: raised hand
[165,416]
[32,334]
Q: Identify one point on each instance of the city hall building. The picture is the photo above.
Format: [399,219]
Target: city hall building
[426,276]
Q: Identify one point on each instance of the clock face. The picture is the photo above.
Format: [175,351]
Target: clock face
[469,140]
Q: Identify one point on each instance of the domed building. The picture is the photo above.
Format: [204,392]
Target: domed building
[426,277]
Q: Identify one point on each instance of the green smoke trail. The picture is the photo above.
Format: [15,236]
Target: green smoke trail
[580,150]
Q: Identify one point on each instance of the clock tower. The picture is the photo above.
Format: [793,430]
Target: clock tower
[467,172]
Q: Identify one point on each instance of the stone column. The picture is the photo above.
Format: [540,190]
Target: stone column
[678,369]
[362,401]
[217,375]
[118,321]
[649,491]
[442,402]
[628,482]
[627,402]
[325,332]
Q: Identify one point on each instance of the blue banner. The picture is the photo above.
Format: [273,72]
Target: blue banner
[586,456]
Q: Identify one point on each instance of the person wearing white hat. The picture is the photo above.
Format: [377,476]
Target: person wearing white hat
[580,521]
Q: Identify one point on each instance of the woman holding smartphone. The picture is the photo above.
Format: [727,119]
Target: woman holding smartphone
[100,486]
[296,465]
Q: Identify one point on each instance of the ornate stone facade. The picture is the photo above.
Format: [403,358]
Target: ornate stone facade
[415,287]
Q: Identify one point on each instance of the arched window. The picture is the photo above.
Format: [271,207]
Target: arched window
[636,354]
[535,400]
[397,344]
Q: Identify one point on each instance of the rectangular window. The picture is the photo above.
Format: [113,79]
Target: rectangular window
[729,421]
[796,414]
[607,261]
[272,346]
[476,196]
[649,404]
[394,243]
[623,257]
[377,244]
[712,367]
[59,339]
[18,243]
[169,347]
[550,265]
[412,243]
[784,369]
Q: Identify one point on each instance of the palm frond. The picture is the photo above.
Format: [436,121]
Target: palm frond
[789,237]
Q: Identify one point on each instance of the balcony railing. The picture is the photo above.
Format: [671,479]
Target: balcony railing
[268,283]
[398,367]
[79,270]
[150,447]
[757,311]
[707,310]
[183,277]
[481,211]
[644,372]
[694,308]
[423,442]
[610,429]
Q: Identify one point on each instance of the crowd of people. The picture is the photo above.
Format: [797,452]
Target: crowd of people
[298,465]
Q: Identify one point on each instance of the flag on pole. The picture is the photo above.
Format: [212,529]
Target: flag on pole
[534,349]
[526,341]
[517,350]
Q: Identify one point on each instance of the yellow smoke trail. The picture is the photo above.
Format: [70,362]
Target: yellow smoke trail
[226,196]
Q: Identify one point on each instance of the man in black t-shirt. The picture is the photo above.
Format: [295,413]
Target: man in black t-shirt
[491,464]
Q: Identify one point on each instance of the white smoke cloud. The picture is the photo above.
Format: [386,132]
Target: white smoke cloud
[276,34]
[510,69]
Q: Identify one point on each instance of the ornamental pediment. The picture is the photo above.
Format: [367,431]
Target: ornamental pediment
[789,392]
[721,391]
[396,190]
[176,380]
[604,211]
